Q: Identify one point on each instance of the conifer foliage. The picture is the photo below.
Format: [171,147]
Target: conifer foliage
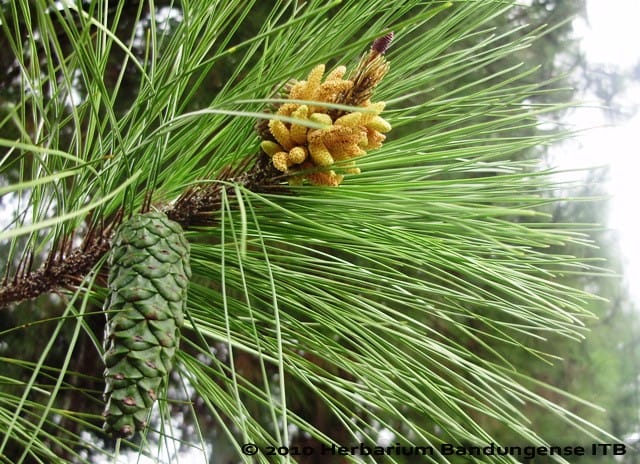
[405,302]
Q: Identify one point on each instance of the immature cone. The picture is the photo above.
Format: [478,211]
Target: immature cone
[148,283]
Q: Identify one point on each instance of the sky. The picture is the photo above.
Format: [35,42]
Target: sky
[609,37]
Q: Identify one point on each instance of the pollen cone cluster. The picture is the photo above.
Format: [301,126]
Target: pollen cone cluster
[148,283]
[322,154]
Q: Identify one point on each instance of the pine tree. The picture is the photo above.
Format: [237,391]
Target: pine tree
[318,314]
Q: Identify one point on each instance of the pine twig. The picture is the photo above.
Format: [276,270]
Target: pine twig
[61,270]
[65,268]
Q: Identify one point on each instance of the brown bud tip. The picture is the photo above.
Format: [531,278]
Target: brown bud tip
[125,432]
[381,44]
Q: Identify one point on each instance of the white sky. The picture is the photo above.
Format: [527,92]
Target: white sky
[611,37]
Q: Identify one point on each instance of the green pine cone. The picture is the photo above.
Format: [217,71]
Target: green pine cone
[148,283]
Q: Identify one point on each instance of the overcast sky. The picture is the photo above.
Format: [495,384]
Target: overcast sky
[610,37]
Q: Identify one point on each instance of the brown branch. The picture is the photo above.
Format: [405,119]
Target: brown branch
[61,271]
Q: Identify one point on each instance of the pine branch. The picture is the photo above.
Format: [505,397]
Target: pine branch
[197,205]
[61,270]
[66,268]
